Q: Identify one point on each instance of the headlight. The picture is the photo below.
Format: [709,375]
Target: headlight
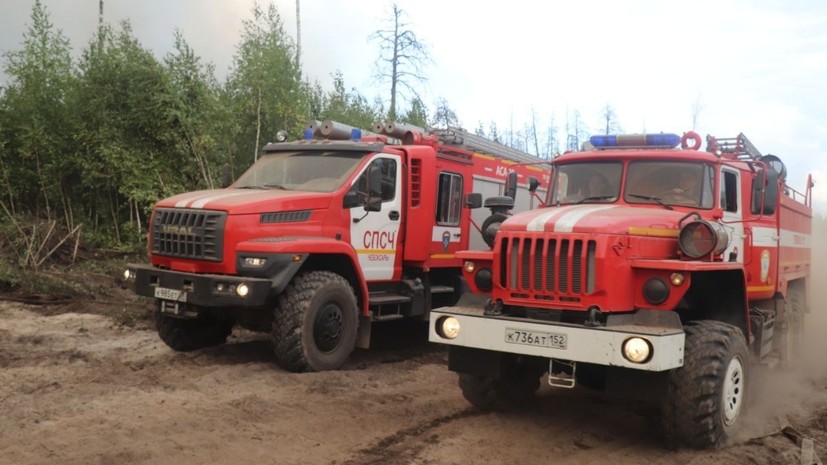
[242,290]
[483,280]
[447,327]
[637,350]
[655,291]
[128,275]
[700,238]
[256,262]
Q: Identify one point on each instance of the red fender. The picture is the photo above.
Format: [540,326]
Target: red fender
[696,138]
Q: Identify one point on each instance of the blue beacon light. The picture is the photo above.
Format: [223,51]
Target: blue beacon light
[636,140]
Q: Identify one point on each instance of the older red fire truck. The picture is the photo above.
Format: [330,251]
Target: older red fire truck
[321,238]
[655,273]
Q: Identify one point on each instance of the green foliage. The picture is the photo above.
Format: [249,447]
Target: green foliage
[94,144]
[351,107]
[33,119]
[264,89]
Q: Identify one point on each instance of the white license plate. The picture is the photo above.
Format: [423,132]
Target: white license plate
[169,294]
[536,338]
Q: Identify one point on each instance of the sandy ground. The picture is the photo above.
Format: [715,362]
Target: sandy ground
[77,388]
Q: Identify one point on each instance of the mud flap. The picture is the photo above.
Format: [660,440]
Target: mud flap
[363,334]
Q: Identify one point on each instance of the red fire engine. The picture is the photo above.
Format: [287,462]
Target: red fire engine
[321,238]
[655,273]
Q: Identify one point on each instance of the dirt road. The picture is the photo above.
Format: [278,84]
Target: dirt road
[79,389]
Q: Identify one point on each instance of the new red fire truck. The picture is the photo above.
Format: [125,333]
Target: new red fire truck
[655,273]
[321,238]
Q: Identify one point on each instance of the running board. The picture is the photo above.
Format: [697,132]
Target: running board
[387,299]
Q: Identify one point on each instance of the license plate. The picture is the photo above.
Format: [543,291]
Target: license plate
[536,338]
[169,294]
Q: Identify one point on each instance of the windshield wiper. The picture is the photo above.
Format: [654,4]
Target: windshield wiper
[652,198]
[264,186]
[594,198]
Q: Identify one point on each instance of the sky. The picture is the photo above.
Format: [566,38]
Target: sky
[754,67]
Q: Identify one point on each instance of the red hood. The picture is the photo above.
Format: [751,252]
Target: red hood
[246,201]
[594,218]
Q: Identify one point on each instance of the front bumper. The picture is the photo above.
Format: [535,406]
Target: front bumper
[197,289]
[599,345]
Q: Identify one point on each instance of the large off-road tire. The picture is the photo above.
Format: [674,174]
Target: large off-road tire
[516,387]
[706,398]
[185,335]
[315,324]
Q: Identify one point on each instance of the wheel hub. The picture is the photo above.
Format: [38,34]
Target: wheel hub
[327,328]
[733,392]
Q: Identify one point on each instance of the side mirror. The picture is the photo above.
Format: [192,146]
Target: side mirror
[533,184]
[473,200]
[226,176]
[374,204]
[511,185]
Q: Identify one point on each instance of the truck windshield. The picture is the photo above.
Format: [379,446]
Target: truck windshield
[312,170]
[670,183]
[586,183]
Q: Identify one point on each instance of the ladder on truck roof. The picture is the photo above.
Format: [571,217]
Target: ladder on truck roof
[453,136]
[739,147]
[474,143]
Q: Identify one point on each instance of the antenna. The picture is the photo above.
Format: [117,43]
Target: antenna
[100,16]
[298,36]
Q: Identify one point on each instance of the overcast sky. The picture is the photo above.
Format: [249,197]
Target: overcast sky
[757,67]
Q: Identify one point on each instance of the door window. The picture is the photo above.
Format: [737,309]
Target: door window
[449,199]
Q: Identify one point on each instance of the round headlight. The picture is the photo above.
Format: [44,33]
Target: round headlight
[701,238]
[655,291]
[468,267]
[637,350]
[242,290]
[676,279]
[126,274]
[447,327]
[483,280]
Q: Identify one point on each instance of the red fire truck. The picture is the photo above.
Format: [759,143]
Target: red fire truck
[321,238]
[655,273]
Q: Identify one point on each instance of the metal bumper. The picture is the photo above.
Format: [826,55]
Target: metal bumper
[599,345]
[198,289]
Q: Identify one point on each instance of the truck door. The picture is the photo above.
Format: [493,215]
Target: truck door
[733,216]
[447,234]
[376,235]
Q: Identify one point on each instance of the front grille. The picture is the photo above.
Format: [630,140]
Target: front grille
[548,266]
[194,234]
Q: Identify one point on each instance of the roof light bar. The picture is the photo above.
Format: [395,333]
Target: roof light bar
[635,141]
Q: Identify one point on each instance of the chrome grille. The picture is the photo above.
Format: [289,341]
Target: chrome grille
[564,266]
[193,234]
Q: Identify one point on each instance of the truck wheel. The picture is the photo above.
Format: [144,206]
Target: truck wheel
[186,335]
[516,387]
[706,398]
[315,324]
